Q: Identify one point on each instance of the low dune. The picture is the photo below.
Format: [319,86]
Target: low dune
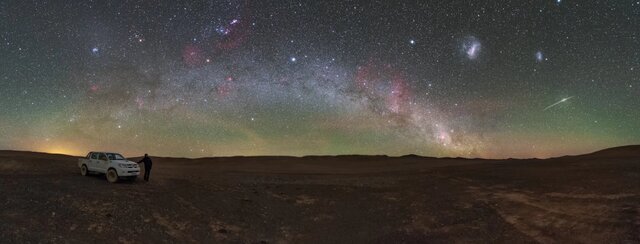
[592,198]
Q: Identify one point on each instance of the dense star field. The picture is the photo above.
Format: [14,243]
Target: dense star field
[211,78]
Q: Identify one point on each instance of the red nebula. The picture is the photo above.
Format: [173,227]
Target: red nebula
[398,98]
[140,102]
[386,82]
[238,32]
[225,88]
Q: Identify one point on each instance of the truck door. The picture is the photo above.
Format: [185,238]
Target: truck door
[103,162]
[93,162]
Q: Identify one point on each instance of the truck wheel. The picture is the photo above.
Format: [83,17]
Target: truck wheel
[84,170]
[112,176]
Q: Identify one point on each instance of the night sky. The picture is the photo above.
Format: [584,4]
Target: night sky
[212,78]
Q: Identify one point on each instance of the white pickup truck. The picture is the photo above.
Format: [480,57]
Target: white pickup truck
[114,165]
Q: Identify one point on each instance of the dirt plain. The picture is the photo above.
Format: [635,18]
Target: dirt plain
[592,198]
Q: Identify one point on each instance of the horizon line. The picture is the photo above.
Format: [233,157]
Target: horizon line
[340,155]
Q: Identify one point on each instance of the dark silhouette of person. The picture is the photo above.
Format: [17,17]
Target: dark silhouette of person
[147,166]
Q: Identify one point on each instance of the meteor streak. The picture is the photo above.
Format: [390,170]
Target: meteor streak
[558,102]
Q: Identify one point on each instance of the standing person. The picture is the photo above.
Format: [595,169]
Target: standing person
[147,166]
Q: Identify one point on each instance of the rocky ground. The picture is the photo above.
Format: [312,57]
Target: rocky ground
[353,199]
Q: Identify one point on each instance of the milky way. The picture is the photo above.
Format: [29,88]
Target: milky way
[213,78]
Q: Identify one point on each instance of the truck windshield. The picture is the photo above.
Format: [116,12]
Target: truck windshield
[115,156]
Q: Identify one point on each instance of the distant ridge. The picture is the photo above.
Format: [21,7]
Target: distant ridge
[6,153]
[621,151]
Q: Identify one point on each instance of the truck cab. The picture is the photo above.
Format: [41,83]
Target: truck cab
[113,165]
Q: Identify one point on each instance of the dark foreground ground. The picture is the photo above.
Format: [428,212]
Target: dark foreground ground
[590,199]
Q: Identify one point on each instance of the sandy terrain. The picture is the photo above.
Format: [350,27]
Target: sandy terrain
[352,199]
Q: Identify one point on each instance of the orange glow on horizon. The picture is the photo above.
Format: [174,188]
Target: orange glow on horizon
[60,148]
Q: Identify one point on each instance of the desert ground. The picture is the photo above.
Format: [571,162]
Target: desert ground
[592,198]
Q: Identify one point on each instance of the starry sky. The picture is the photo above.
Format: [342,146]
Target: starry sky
[485,78]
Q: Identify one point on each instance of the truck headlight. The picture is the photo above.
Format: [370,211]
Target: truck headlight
[122,165]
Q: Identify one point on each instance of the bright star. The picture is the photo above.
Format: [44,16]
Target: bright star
[222,30]
[412,42]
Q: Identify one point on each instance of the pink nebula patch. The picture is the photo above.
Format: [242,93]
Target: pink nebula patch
[383,81]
